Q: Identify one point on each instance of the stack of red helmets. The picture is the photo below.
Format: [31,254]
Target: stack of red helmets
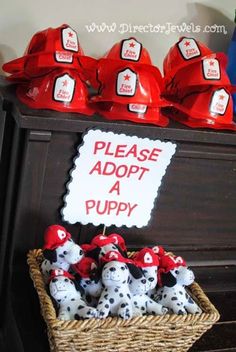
[129,86]
[49,75]
[197,84]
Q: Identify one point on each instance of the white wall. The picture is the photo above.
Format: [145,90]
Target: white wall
[20,19]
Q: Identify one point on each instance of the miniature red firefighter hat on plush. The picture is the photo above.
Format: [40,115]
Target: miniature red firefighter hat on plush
[212,108]
[59,272]
[146,257]
[61,90]
[118,240]
[55,236]
[85,267]
[102,240]
[168,262]
[50,48]
[116,256]
[158,250]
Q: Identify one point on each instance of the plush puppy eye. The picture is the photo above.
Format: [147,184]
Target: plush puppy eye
[151,279]
[122,268]
[177,272]
[88,282]
[80,252]
[66,280]
[54,280]
[65,252]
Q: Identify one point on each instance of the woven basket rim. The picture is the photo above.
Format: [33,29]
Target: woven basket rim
[210,315]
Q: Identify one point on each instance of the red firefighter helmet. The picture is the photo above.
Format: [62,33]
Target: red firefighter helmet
[123,53]
[129,50]
[138,113]
[184,52]
[212,108]
[50,48]
[61,90]
[196,76]
[129,84]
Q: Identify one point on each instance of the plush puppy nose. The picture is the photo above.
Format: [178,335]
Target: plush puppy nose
[143,281]
[112,269]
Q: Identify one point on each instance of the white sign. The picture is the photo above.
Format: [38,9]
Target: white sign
[115,179]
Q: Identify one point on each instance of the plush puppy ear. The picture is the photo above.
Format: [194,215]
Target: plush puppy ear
[50,254]
[123,253]
[135,271]
[94,253]
[78,287]
[168,280]
[77,277]
[95,274]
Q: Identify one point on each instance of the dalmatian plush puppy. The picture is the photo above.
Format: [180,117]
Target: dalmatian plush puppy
[148,261]
[59,250]
[174,277]
[87,274]
[101,244]
[70,303]
[142,303]
[116,298]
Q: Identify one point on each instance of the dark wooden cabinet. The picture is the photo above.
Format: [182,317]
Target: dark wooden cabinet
[195,215]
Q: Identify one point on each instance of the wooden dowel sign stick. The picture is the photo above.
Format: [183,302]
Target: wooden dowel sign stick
[104,230]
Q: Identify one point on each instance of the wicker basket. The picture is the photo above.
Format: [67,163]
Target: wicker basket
[147,333]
